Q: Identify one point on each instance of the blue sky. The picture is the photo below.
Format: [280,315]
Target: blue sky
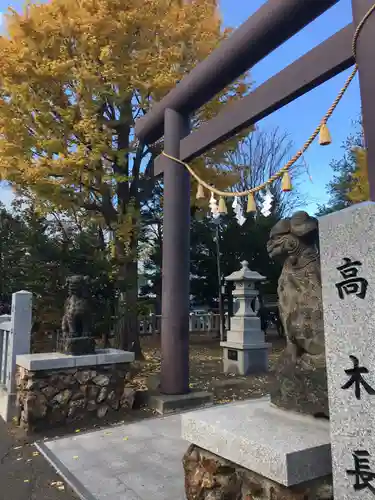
[301,117]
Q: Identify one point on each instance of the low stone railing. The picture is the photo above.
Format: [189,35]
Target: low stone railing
[198,323]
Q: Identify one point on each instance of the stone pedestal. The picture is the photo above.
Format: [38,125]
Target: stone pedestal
[300,386]
[55,389]
[170,403]
[244,359]
[284,452]
[210,477]
[78,346]
[245,350]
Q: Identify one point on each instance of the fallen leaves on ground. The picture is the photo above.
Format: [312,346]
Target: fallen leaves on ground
[58,484]
[206,372]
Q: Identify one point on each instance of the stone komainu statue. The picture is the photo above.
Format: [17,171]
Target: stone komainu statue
[301,368]
[76,319]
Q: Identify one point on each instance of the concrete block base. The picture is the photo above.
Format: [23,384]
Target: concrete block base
[165,403]
[285,447]
[242,360]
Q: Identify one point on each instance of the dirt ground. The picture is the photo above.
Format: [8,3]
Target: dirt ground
[206,369]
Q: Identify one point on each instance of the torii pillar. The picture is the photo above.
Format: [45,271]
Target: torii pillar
[174,392]
[176,261]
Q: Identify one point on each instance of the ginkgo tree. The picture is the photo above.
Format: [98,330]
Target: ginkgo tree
[359,189]
[74,77]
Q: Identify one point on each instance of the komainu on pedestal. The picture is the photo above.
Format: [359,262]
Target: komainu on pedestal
[76,336]
[301,369]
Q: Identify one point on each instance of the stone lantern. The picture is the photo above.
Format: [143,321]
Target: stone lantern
[245,350]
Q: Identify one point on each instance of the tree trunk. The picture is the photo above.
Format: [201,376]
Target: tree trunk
[127,330]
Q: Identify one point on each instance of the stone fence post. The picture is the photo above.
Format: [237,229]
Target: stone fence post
[210,322]
[152,324]
[20,333]
[191,322]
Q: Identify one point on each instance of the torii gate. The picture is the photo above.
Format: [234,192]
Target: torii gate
[274,23]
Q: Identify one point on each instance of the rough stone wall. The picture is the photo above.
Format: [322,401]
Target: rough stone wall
[209,477]
[49,398]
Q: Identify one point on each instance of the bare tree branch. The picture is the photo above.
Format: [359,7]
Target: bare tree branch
[259,156]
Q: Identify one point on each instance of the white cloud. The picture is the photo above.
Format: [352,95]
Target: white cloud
[1,18]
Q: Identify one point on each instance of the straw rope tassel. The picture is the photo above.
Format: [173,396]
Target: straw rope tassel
[324,135]
[222,206]
[251,205]
[200,192]
[286,183]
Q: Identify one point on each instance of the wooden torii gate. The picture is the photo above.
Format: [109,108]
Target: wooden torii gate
[274,23]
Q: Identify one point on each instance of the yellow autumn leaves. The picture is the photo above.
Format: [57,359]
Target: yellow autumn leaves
[70,70]
[359,189]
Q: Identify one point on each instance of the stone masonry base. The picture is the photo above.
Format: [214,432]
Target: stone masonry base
[49,398]
[209,477]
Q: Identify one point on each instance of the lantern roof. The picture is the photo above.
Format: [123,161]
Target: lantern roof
[245,274]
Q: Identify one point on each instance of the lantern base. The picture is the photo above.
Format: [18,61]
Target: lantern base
[245,359]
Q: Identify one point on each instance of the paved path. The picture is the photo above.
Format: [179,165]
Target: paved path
[137,461]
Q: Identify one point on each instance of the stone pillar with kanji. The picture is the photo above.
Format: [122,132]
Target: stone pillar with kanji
[347,252]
